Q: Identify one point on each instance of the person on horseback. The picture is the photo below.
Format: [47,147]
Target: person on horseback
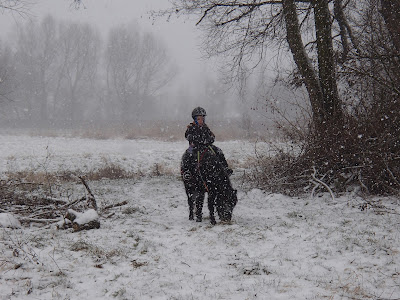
[200,138]
[198,133]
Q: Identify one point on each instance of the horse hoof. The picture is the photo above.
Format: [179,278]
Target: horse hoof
[226,222]
[213,222]
[191,217]
[198,220]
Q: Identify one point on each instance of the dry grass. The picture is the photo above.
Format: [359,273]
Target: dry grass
[106,172]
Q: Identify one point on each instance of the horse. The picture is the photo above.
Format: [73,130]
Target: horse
[203,172]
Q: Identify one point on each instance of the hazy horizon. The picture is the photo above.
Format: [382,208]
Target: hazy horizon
[179,34]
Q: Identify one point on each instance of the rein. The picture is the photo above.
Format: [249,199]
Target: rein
[199,158]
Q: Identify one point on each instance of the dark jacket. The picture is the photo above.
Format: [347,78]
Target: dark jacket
[199,135]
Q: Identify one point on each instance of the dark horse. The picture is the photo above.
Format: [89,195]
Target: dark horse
[204,172]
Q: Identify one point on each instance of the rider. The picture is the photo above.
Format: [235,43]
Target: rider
[198,133]
[200,137]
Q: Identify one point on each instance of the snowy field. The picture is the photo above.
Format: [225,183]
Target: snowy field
[18,153]
[277,247]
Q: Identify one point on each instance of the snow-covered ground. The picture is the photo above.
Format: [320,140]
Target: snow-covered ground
[277,247]
[18,153]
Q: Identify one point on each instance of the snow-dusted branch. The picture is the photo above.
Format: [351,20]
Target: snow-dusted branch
[318,182]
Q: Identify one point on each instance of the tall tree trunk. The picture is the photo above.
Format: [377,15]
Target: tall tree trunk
[321,87]
[331,104]
[302,60]
[390,10]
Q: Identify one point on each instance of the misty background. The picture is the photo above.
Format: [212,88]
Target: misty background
[109,64]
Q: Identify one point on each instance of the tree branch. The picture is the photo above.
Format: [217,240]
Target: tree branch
[322,183]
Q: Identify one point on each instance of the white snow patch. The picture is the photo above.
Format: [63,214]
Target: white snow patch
[85,217]
[8,220]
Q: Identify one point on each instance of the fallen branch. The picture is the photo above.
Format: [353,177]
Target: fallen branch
[56,200]
[115,205]
[109,216]
[91,200]
[33,220]
[315,179]
[74,202]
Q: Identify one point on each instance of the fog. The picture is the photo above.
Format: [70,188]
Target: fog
[63,66]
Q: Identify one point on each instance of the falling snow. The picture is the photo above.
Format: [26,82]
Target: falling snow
[277,247]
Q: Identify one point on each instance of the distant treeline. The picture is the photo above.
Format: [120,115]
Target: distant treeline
[59,74]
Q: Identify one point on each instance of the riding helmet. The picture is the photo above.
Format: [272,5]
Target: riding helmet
[198,111]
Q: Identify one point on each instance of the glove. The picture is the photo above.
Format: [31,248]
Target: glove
[189,137]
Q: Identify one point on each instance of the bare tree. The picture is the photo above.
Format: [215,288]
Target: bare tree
[79,58]
[23,7]
[7,74]
[371,77]
[137,67]
[77,4]
[351,45]
[374,65]
[36,57]
[19,7]
[390,10]
[245,29]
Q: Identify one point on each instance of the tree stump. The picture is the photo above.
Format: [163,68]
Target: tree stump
[83,221]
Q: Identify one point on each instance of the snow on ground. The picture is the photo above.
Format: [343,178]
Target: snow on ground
[277,247]
[18,153]
[8,220]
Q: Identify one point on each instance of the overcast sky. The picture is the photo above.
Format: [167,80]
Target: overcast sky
[180,35]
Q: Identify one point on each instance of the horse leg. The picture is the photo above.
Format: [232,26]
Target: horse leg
[189,189]
[219,201]
[226,200]
[211,206]
[229,204]
[198,197]
[191,206]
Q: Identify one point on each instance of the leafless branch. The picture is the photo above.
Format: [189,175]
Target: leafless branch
[315,179]
[115,205]
[19,7]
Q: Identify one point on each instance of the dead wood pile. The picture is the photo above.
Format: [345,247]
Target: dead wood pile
[34,204]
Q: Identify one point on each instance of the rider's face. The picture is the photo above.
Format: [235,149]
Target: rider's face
[200,120]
